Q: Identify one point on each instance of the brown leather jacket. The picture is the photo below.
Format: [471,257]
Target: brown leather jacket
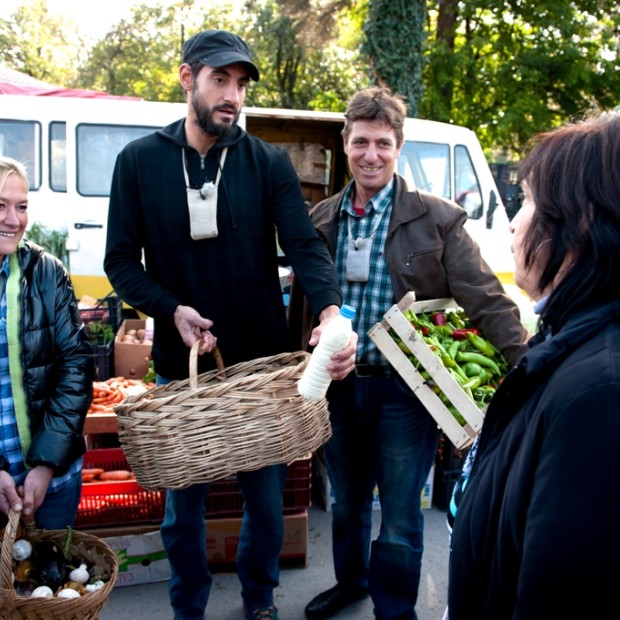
[429,252]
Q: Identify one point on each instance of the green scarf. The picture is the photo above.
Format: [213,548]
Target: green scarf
[15,362]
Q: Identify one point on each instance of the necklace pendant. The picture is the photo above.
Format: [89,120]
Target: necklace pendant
[207,189]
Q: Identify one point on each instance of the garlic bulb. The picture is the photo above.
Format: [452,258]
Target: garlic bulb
[43,591]
[68,593]
[79,574]
[92,587]
[22,549]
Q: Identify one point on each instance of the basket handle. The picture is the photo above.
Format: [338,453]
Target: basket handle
[6,555]
[193,363]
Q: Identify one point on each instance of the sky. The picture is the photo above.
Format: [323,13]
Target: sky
[93,18]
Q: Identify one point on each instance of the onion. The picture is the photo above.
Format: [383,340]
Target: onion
[68,593]
[79,574]
[22,549]
[45,591]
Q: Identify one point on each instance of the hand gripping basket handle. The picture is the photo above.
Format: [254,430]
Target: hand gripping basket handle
[193,363]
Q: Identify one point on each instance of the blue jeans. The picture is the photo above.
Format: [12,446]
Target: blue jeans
[183,533]
[382,435]
[60,507]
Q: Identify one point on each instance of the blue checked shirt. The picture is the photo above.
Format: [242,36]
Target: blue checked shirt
[371,299]
[9,435]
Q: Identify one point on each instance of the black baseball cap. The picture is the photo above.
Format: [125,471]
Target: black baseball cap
[218,48]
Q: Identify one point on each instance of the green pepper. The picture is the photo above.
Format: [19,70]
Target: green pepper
[456,321]
[467,356]
[448,361]
[459,375]
[453,349]
[473,369]
[402,346]
[481,344]
[444,331]
[459,418]
[472,384]
[433,341]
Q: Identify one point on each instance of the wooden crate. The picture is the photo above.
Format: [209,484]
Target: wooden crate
[460,436]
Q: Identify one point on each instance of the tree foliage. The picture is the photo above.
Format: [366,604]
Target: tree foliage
[505,68]
[39,44]
[140,56]
[305,61]
[511,68]
[394,43]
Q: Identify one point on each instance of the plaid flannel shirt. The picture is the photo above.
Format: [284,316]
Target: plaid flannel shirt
[371,299]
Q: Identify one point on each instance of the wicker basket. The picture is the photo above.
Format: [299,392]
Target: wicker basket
[88,548]
[213,425]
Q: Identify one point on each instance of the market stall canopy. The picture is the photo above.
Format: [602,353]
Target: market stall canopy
[15,83]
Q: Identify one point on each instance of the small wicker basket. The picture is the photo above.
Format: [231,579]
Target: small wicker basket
[215,424]
[84,546]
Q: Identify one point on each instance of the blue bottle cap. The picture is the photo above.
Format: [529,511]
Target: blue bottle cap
[347,311]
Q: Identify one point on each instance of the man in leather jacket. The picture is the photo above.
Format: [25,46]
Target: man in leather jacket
[386,240]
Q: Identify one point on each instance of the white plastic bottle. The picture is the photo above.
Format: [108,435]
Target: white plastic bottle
[335,337]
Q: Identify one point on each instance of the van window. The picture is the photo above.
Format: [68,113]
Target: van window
[426,165]
[97,148]
[21,140]
[58,156]
[466,186]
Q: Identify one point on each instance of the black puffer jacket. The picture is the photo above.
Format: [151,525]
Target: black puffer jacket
[535,535]
[57,363]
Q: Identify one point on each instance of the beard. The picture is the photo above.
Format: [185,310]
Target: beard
[204,117]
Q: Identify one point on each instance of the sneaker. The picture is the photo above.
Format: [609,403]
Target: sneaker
[269,613]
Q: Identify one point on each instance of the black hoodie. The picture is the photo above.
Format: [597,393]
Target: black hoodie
[231,279]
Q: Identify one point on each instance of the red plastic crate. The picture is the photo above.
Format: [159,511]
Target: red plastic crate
[224,499]
[119,502]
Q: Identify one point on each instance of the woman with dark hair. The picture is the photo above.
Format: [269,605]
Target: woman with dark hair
[534,530]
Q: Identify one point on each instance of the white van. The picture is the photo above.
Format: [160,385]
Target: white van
[70,146]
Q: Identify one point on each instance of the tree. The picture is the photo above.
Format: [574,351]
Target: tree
[130,60]
[43,46]
[505,68]
[304,56]
[394,47]
[140,56]
[509,69]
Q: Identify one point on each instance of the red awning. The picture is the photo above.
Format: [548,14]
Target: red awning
[15,83]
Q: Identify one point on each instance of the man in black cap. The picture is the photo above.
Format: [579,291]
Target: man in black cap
[201,201]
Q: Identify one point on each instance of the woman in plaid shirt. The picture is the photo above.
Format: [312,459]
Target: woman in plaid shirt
[46,370]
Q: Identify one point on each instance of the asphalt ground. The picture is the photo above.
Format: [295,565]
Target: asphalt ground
[298,583]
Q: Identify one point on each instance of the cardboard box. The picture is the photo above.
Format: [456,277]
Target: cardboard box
[327,492]
[223,537]
[142,557]
[460,436]
[140,551]
[130,360]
